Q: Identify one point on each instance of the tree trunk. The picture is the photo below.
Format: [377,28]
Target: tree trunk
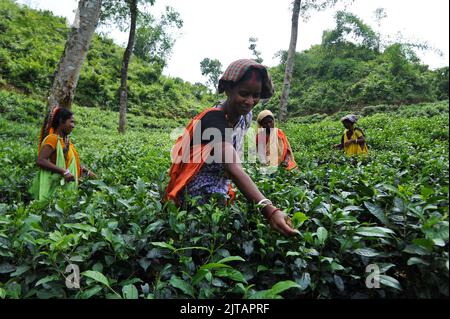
[75,51]
[124,71]
[290,62]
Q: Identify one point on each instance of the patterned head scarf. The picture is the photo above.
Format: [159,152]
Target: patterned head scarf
[237,70]
[351,117]
[262,115]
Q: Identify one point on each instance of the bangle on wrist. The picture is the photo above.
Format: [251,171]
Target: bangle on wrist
[269,217]
[66,172]
[264,202]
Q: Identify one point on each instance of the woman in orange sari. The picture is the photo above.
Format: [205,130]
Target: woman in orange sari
[206,158]
[272,144]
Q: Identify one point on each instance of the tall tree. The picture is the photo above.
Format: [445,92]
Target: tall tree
[349,24]
[155,38]
[125,61]
[380,14]
[290,62]
[120,11]
[75,51]
[211,68]
[304,9]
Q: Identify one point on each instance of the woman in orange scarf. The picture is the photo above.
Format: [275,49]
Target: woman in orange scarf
[205,159]
[57,158]
[272,144]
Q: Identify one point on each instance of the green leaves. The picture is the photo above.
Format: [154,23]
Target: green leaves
[20,270]
[230,259]
[281,287]
[426,192]
[83,227]
[6,268]
[390,208]
[163,245]
[232,274]
[130,292]
[276,290]
[417,261]
[46,280]
[390,282]
[222,262]
[298,219]
[378,212]
[219,269]
[366,252]
[2,293]
[182,285]
[322,235]
[97,276]
[375,232]
[214,266]
[416,250]
[88,293]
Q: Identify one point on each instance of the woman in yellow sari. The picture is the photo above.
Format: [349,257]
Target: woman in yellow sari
[58,160]
[272,144]
[353,141]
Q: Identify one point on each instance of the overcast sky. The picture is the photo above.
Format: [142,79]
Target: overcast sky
[220,29]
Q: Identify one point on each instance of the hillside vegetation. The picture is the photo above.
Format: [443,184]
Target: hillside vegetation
[334,76]
[31,44]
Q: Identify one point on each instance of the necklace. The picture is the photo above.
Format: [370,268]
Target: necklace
[230,123]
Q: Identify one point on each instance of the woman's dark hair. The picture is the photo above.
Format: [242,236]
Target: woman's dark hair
[52,120]
[267,117]
[61,116]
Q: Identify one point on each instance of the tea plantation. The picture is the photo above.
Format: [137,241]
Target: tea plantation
[370,228]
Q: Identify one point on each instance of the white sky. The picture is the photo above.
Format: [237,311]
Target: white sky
[220,29]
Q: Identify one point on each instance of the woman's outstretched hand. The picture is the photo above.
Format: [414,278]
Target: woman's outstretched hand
[68,177]
[88,173]
[280,222]
[91,174]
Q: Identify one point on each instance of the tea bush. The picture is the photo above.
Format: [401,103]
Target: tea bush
[387,213]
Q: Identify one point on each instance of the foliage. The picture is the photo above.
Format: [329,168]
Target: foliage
[308,6]
[349,71]
[154,39]
[211,68]
[118,12]
[328,78]
[404,111]
[349,24]
[441,83]
[252,47]
[390,209]
[31,43]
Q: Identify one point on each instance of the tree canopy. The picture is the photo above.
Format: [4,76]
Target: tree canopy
[346,71]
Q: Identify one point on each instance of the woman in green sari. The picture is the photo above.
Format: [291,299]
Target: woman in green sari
[58,160]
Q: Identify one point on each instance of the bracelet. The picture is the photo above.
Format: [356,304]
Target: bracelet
[273,213]
[67,172]
[264,202]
